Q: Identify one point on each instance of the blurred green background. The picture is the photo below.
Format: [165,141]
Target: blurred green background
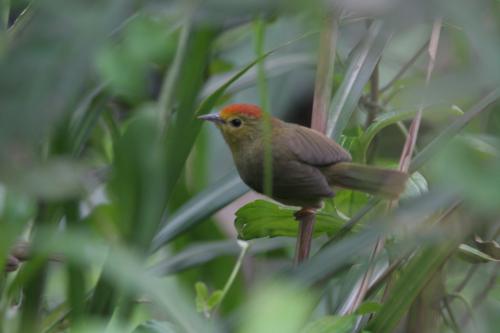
[120,212]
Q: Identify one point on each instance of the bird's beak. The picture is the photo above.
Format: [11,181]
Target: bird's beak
[213,117]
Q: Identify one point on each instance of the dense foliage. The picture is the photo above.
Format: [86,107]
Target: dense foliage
[119,212]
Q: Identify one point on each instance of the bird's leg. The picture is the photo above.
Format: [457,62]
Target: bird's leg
[306,217]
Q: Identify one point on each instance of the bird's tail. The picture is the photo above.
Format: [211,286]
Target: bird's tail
[385,182]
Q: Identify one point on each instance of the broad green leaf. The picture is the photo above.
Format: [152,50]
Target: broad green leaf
[472,255]
[266,219]
[331,324]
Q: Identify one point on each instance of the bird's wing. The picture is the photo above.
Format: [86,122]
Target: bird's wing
[313,148]
[299,184]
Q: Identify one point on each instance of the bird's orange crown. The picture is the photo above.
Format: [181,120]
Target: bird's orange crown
[249,110]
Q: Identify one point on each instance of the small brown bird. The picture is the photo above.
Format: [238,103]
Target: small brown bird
[306,164]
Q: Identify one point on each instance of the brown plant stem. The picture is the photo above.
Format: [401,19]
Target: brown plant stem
[306,218]
[322,97]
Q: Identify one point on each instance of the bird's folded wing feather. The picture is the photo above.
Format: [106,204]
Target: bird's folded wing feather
[313,148]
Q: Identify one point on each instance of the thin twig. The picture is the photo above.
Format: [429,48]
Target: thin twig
[481,296]
[406,155]
[245,246]
[453,321]
[406,66]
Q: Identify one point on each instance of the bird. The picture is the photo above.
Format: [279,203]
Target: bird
[307,166]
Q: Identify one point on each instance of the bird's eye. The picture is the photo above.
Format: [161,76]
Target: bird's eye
[235,122]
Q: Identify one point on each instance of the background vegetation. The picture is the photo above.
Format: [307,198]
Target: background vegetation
[117,210]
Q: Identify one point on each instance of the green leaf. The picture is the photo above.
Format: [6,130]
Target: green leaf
[199,208]
[262,218]
[214,299]
[201,296]
[331,324]
[415,186]
[491,247]
[349,202]
[472,255]
[386,119]
[413,279]
[368,307]
[203,252]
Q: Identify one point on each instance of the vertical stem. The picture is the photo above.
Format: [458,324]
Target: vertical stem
[264,102]
[324,74]
[245,246]
[321,103]
[374,92]
[306,219]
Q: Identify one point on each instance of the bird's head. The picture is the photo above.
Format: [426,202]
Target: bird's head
[239,123]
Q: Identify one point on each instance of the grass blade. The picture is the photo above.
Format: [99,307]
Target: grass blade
[364,60]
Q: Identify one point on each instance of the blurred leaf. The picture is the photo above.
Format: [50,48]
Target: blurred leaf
[126,66]
[51,60]
[201,296]
[54,180]
[127,271]
[277,307]
[491,248]
[265,219]
[471,171]
[386,119]
[137,185]
[472,255]
[415,186]
[363,61]
[368,307]
[331,324]
[358,245]
[201,253]
[156,326]
[349,202]
[199,208]
[453,129]
[413,279]
[137,191]
[15,209]
[214,299]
